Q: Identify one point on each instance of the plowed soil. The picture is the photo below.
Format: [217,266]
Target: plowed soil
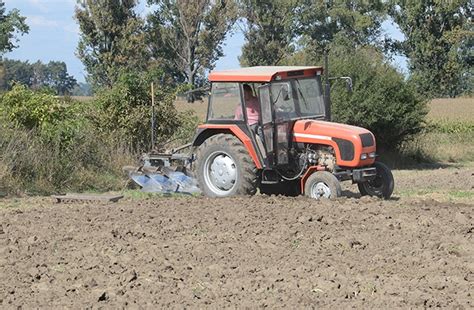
[242,252]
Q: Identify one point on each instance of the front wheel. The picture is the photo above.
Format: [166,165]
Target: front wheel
[383,184]
[322,184]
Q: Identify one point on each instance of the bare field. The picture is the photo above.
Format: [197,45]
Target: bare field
[199,107]
[416,250]
[457,109]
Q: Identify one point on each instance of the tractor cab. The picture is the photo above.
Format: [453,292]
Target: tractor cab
[265,102]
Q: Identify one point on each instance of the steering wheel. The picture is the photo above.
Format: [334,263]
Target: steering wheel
[284,109]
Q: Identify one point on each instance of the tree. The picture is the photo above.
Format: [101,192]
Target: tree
[189,34]
[381,100]
[16,71]
[58,79]
[349,23]
[276,29]
[439,37]
[12,24]
[112,39]
[52,75]
[269,31]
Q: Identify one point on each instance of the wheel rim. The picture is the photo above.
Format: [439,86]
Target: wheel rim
[220,173]
[375,187]
[320,190]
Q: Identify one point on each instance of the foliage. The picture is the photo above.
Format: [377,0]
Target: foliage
[452,127]
[276,29]
[188,35]
[38,75]
[188,122]
[48,145]
[30,165]
[53,119]
[269,31]
[12,24]
[381,101]
[16,71]
[125,110]
[439,38]
[112,40]
[30,110]
[348,23]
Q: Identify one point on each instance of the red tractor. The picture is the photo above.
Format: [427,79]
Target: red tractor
[269,129]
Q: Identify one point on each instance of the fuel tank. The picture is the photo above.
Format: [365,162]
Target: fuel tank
[354,146]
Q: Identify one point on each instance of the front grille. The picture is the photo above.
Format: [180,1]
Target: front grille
[346,148]
[367,139]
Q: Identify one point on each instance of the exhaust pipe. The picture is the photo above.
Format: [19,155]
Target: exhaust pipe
[327,88]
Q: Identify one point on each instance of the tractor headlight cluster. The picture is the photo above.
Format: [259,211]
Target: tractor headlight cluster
[364,156]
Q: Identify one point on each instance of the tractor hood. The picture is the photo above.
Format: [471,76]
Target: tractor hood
[349,142]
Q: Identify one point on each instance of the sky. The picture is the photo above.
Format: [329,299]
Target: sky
[54,35]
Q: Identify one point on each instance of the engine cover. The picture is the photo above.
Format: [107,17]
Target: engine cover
[349,142]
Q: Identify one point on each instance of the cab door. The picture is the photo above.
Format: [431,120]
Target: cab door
[266,118]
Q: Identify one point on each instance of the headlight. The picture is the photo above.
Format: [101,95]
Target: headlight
[372,155]
[363,156]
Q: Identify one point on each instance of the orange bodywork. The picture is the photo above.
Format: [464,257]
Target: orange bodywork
[321,132]
[242,136]
[263,74]
[309,172]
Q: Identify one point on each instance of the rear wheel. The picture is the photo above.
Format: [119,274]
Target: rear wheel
[322,184]
[383,184]
[224,167]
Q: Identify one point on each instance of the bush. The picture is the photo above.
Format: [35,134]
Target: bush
[30,165]
[125,111]
[381,101]
[50,144]
[47,145]
[188,122]
[53,119]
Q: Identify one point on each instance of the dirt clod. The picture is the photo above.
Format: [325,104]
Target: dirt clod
[103,297]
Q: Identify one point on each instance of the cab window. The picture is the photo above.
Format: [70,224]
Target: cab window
[282,96]
[225,103]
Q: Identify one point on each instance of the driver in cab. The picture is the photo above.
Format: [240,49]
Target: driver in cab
[251,105]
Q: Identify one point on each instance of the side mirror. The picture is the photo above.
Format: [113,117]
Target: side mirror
[285,91]
[348,83]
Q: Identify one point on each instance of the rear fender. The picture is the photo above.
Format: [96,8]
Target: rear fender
[207,130]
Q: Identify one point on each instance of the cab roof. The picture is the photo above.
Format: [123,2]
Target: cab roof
[262,73]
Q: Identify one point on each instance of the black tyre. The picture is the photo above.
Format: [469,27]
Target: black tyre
[224,167]
[322,184]
[383,184]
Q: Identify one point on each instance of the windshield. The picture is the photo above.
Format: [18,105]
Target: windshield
[298,98]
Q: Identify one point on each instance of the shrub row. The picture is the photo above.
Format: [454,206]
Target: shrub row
[50,144]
